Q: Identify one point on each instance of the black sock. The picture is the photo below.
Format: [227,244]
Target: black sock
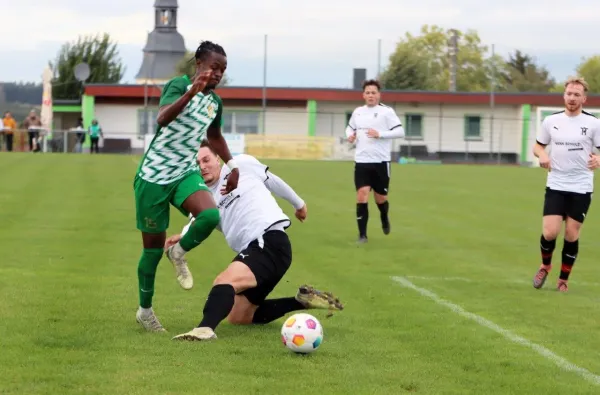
[271,309]
[383,211]
[569,254]
[362,217]
[547,248]
[218,305]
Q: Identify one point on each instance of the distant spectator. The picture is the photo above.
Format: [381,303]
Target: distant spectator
[1,132]
[33,124]
[95,133]
[10,125]
[79,135]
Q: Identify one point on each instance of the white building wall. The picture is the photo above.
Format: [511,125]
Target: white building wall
[443,125]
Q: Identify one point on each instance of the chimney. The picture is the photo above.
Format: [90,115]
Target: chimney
[359,76]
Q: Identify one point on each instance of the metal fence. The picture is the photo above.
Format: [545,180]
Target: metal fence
[479,138]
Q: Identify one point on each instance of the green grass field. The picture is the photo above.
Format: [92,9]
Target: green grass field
[465,237]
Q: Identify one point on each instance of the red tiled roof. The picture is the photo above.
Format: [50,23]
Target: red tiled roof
[345,95]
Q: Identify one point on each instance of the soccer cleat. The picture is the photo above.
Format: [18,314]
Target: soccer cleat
[314,299]
[562,286]
[197,334]
[149,321]
[362,240]
[385,225]
[182,272]
[540,277]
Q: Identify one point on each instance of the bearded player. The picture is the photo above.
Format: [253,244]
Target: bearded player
[254,226]
[168,174]
[572,135]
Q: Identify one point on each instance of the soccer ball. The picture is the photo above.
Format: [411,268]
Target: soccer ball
[302,333]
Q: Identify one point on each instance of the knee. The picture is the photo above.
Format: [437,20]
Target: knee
[362,195]
[380,199]
[211,217]
[550,231]
[572,233]
[238,319]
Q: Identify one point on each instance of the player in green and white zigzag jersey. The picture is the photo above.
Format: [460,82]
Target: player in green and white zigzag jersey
[168,173]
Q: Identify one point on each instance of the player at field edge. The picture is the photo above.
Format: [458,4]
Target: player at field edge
[372,127]
[572,133]
[168,174]
[255,228]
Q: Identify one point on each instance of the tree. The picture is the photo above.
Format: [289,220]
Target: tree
[589,68]
[187,66]
[423,63]
[99,52]
[524,75]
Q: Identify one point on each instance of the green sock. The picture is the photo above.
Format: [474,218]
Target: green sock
[201,228]
[146,274]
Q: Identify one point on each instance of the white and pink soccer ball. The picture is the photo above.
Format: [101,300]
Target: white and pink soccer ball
[302,333]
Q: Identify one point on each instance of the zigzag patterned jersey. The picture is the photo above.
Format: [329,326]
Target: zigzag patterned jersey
[172,152]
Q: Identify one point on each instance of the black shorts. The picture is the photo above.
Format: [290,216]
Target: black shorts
[375,175]
[268,257]
[567,204]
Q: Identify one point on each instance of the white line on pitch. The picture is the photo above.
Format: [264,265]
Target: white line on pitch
[468,280]
[543,351]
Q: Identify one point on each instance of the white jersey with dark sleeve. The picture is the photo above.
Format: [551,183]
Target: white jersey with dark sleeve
[571,140]
[380,118]
[250,210]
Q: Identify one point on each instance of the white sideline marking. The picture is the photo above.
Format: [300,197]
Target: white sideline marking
[468,280]
[543,351]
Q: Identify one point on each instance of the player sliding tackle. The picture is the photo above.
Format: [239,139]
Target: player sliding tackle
[254,226]
[169,174]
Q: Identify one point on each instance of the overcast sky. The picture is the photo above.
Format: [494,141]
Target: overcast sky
[310,42]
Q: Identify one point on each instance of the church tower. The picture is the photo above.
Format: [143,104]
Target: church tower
[164,47]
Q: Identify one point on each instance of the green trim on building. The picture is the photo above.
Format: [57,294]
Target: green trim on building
[312,117]
[56,108]
[88,112]
[526,114]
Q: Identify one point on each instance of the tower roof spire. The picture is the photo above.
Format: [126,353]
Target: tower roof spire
[164,47]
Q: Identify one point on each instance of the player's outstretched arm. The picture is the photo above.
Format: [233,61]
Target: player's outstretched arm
[281,189]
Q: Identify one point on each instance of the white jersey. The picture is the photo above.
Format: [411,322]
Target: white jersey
[384,120]
[571,140]
[250,210]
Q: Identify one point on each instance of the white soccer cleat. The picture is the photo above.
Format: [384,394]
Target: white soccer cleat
[197,334]
[182,272]
[149,321]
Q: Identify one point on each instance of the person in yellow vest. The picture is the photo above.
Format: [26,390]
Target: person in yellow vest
[95,132]
[10,125]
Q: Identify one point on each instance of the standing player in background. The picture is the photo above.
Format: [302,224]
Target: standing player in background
[254,226]
[573,134]
[372,127]
[168,173]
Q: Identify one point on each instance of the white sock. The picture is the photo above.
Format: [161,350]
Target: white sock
[178,251]
[146,312]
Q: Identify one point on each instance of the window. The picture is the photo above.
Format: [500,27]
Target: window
[227,122]
[472,127]
[246,122]
[241,122]
[413,127]
[147,121]
[348,116]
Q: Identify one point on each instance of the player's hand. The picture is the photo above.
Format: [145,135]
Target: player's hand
[594,162]
[372,133]
[200,81]
[232,181]
[352,138]
[171,241]
[301,213]
[544,161]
